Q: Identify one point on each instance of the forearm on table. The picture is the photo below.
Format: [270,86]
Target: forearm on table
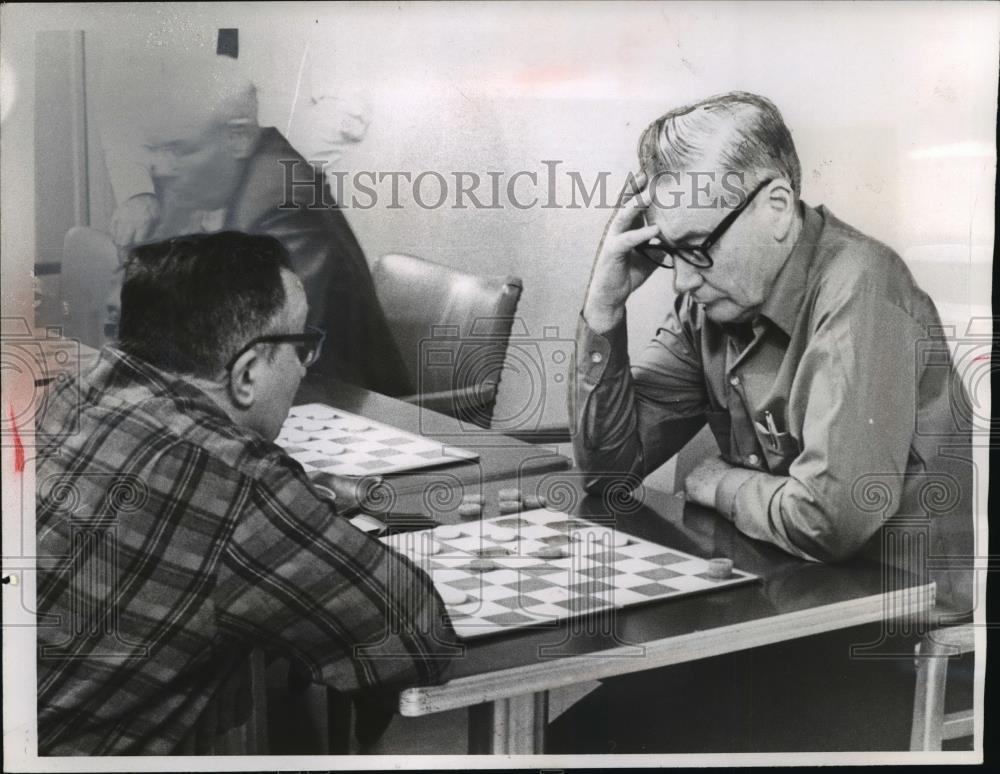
[805,518]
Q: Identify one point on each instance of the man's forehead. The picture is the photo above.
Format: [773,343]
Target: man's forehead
[689,203]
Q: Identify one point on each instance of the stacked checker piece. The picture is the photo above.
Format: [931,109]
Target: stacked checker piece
[532,566]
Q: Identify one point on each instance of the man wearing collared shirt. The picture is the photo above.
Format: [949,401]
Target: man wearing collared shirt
[174,536]
[805,345]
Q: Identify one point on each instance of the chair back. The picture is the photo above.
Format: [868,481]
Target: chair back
[90,286]
[452,328]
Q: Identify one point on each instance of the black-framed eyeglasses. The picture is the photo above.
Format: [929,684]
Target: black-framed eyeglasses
[665,255]
[308,345]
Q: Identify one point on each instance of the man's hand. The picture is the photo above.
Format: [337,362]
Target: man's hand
[350,493]
[617,272]
[134,221]
[701,483]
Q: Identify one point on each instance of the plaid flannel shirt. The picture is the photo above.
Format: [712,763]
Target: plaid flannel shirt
[171,542]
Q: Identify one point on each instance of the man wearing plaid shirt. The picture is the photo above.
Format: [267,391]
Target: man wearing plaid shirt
[174,536]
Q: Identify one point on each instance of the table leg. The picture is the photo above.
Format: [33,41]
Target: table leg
[514,726]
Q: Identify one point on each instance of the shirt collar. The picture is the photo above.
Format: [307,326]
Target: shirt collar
[785,299]
[136,380]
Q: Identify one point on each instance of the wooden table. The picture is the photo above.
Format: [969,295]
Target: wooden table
[500,457]
[504,680]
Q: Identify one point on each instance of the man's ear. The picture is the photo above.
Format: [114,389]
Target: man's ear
[781,207]
[243,379]
[241,137]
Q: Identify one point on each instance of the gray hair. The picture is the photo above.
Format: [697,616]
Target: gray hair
[743,133]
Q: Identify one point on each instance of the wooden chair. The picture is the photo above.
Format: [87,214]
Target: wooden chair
[931,726]
[452,330]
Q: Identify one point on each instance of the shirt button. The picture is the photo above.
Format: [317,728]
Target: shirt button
[754,460]
[735,381]
[596,357]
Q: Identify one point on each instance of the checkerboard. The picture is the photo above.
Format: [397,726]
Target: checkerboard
[527,586]
[333,441]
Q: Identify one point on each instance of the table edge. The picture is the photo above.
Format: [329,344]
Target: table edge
[560,672]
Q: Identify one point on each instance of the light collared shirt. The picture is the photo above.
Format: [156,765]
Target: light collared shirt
[839,406]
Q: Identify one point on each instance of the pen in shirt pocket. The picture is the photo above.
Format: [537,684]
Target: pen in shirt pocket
[771,431]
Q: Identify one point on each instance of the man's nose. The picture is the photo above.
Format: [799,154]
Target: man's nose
[686,276]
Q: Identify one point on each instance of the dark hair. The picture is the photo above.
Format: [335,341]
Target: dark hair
[745,131]
[189,303]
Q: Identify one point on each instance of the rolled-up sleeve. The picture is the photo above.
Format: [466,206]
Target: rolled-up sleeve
[854,396]
[630,419]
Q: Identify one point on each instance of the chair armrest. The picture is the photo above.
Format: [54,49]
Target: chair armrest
[544,434]
[450,401]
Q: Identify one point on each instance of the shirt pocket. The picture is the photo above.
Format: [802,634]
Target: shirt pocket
[780,452]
